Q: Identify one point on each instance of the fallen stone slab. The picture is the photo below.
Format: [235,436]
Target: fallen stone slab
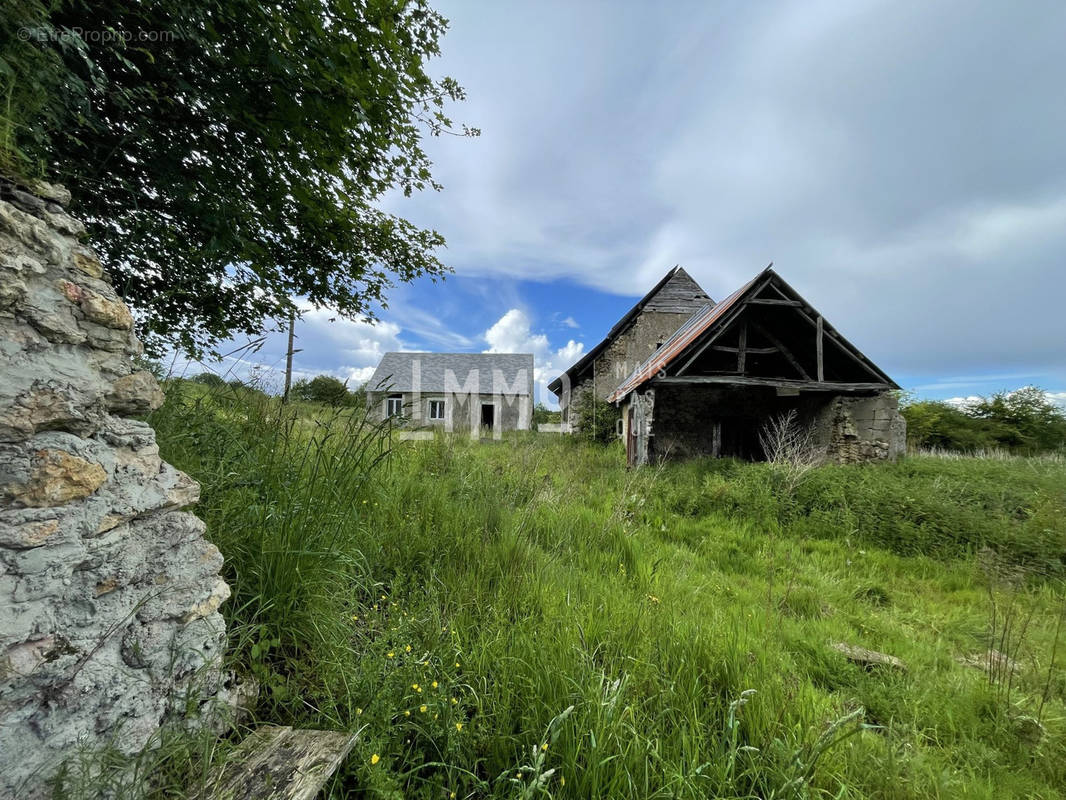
[867,658]
[991,661]
[279,763]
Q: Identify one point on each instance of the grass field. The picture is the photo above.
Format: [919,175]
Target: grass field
[527,618]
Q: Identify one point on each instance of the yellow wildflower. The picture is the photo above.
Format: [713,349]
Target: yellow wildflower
[434,684]
[454,701]
[562,780]
[544,747]
[414,686]
[358,712]
[423,708]
[452,796]
[374,759]
[390,654]
[355,617]
[519,776]
[407,649]
[407,713]
[458,726]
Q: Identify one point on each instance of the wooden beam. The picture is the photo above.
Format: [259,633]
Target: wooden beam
[818,348]
[723,325]
[743,380]
[860,359]
[784,350]
[774,301]
[742,348]
[762,351]
[808,312]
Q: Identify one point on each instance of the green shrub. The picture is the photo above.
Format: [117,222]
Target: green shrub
[596,419]
[328,391]
[1022,421]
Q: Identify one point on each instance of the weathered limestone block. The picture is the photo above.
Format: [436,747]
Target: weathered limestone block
[136,393]
[860,429]
[50,477]
[109,594]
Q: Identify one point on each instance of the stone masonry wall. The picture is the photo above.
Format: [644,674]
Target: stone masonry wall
[848,429]
[860,429]
[623,355]
[109,593]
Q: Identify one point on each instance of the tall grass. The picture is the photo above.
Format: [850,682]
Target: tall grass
[526,618]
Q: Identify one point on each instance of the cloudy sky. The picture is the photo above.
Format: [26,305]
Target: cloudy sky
[903,164]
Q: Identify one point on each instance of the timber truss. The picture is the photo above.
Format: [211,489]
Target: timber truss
[764,334]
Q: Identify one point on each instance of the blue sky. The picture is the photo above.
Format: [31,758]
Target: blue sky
[901,163]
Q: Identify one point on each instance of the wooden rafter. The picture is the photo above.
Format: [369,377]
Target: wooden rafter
[742,348]
[818,350]
[784,350]
[743,380]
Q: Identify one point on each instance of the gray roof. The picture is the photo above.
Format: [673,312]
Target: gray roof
[397,372]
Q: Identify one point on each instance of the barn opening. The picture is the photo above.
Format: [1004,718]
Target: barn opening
[717,385]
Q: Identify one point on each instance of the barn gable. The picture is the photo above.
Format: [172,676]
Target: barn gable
[676,296]
[760,355]
[764,334]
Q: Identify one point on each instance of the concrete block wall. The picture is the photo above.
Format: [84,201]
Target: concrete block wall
[109,592]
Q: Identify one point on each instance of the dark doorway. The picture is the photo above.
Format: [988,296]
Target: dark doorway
[488,415]
[740,439]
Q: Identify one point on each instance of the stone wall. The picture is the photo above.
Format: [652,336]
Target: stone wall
[691,421]
[109,593]
[625,353]
[859,429]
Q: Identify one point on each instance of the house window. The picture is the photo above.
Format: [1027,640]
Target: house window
[436,409]
[394,405]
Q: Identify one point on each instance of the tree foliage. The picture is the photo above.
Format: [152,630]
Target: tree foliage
[326,390]
[596,419]
[544,415]
[1022,421]
[230,154]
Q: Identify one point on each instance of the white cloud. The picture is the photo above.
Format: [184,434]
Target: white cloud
[966,403]
[570,322]
[359,343]
[512,333]
[569,353]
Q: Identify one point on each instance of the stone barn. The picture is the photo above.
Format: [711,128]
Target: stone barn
[633,339]
[713,385]
[484,393]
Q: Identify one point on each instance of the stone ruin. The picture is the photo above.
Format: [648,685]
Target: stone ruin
[109,592]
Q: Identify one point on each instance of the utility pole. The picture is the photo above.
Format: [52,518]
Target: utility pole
[288,357]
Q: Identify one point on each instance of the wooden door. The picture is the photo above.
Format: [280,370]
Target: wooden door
[631,437]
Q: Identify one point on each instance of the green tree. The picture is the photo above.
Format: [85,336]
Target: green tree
[1022,421]
[1025,419]
[543,414]
[324,389]
[228,156]
[209,379]
[597,420]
